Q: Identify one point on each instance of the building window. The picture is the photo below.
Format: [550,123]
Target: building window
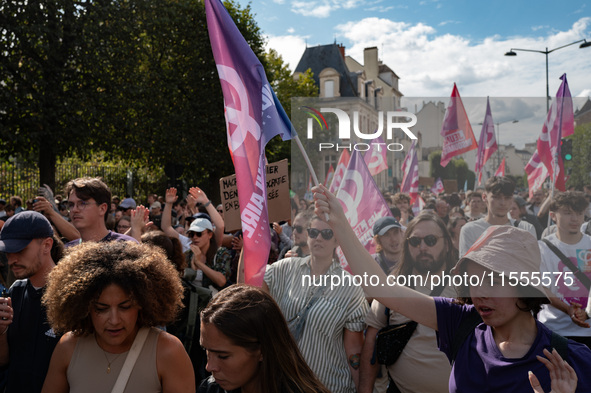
[329,89]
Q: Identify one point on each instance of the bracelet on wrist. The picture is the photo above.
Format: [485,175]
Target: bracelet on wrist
[207,204]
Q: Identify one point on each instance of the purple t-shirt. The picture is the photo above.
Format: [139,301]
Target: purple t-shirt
[480,365]
[111,237]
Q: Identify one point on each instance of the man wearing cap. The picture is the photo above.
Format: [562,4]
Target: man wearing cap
[89,200]
[388,239]
[26,339]
[571,294]
[126,206]
[519,212]
[498,197]
[427,250]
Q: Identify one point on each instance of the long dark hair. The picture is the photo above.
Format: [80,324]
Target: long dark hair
[406,266]
[251,319]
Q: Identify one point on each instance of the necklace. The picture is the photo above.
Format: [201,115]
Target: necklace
[110,362]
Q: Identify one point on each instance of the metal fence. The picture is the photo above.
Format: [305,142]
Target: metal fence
[22,179]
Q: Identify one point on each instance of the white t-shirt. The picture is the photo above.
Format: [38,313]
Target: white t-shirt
[472,231]
[580,255]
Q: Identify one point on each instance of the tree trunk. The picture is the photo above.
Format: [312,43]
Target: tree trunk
[47,161]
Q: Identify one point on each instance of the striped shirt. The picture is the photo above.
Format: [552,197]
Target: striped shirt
[343,307]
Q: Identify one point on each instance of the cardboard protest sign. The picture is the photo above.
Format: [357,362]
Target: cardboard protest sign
[277,196]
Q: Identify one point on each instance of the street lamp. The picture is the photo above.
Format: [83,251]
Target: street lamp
[584,44]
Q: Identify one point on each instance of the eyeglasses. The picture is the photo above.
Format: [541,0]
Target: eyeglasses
[190,234]
[123,227]
[220,211]
[430,240]
[81,205]
[298,228]
[327,234]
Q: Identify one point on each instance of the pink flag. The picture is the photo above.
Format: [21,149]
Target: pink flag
[501,169]
[376,158]
[418,206]
[457,132]
[248,99]
[536,174]
[410,170]
[340,171]
[437,187]
[362,201]
[559,123]
[329,177]
[487,144]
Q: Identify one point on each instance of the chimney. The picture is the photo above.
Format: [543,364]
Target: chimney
[342,50]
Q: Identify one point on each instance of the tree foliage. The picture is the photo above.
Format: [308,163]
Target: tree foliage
[456,169]
[134,79]
[580,166]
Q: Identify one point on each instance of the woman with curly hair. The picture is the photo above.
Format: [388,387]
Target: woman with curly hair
[108,296]
[249,346]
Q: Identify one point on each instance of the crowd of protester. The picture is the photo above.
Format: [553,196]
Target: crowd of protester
[87,276]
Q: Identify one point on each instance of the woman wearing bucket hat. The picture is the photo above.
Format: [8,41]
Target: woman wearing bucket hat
[501,353]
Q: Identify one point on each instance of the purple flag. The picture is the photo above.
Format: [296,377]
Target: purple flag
[363,202]
[253,117]
[487,144]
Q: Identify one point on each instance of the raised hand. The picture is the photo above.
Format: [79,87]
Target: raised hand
[562,375]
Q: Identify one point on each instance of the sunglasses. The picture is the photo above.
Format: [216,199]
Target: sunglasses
[327,234]
[430,240]
[298,228]
[190,234]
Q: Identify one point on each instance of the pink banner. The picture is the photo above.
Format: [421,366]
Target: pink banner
[501,169]
[559,124]
[340,171]
[362,201]
[376,159]
[437,187]
[248,98]
[536,174]
[457,132]
[329,177]
[410,170]
[487,144]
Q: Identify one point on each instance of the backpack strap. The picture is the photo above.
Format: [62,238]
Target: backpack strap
[560,343]
[466,327]
[516,223]
[579,274]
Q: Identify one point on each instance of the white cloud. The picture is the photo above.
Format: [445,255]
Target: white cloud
[323,8]
[584,93]
[290,47]
[291,30]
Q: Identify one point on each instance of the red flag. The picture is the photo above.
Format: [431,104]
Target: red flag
[418,206]
[487,144]
[437,187]
[329,177]
[536,174]
[501,169]
[253,117]
[377,160]
[362,201]
[410,169]
[457,132]
[340,171]
[559,123]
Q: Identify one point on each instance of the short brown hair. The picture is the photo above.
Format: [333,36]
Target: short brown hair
[91,187]
[142,270]
[500,185]
[574,200]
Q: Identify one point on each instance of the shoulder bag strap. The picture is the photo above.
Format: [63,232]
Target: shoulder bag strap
[560,343]
[132,356]
[579,274]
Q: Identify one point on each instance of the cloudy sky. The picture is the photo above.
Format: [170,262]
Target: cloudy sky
[431,44]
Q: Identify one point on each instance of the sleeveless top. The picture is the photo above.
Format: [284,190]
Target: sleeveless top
[87,371]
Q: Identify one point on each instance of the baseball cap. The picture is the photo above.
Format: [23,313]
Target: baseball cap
[20,229]
[200,224]
[505,249]
[155,205]
[127,203]
[519,200]
[384,224]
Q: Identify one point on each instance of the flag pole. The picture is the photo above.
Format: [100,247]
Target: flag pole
[309,164]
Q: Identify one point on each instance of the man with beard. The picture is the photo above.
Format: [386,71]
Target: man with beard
[427,251]
[300,236]
[26,339]
[498,197]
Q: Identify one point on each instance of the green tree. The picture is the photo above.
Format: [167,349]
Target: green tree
[456,169]
[580,166]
